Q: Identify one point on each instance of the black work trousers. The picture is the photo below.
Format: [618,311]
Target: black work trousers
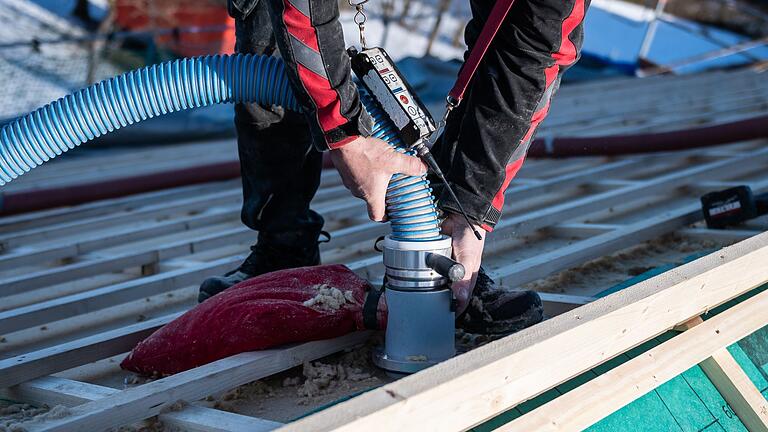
[280,167]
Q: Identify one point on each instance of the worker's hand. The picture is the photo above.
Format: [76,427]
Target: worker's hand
[468,251]
[367,164]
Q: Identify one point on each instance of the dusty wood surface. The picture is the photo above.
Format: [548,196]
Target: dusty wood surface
[580,408]
[467,390]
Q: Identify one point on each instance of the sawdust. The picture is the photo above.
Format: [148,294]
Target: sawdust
[174,407]
[136,380]
[148,425]
[287,395]
[291,381]
[247,391]
[329,298]
[608,270]
[256,390]
[22,417]
[17,417]
[322,378]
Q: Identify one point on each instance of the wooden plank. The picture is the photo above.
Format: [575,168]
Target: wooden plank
[591,92]
[732,235]
[552,215]
[735,106]
[630,115]
[616,388]
[166,209]
[90,267]
[100,298]
[473,387]
[99,265]
[119,236]
[580,230]
[148,400]
[736,387]
[64,356]
[588,106]
[227,201]
[543,265]
[27,221]
[60,391]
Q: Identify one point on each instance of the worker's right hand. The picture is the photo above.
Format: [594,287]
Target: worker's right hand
[366,166]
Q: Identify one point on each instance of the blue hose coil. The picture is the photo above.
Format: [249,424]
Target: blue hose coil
[181,84]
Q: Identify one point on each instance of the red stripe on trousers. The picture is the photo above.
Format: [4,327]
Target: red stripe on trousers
[300,26]
[565,56]
[325,98]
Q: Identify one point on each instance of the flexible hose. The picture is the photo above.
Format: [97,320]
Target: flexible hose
[177,85]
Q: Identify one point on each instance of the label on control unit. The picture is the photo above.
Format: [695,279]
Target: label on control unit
[381,78]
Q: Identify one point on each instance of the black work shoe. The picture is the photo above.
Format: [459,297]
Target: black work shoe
[270,253]
[495,310]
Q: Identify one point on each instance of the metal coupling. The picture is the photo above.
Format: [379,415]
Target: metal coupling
[420,265]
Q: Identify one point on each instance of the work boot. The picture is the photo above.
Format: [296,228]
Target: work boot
[270,253]
[495,310]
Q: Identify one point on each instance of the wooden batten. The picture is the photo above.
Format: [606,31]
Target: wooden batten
[478,385]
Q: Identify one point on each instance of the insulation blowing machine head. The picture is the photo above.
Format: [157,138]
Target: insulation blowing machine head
[418,269]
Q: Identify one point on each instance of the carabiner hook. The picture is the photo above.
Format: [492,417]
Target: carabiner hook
[360,19]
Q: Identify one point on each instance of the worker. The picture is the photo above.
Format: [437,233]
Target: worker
[481,149]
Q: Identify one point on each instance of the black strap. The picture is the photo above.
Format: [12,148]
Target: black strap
[371,306]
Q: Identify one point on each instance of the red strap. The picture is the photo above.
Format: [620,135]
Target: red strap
[491,27]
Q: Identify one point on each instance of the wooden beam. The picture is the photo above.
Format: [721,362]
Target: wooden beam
[119,236]
[104,297]
[691,323]
[15,370]
[598,398]
[473,387]
[28,221]
[552,215]
[192,418]
[76,227]
[150,399]
[99,264]
[581,230]
[736,387]
[543,265]
[726,235]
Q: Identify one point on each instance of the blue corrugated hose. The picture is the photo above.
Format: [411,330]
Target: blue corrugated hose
[190,83]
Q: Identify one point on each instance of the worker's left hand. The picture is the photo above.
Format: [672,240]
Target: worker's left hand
[468,251]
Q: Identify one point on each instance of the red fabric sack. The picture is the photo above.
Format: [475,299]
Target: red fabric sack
[259,313]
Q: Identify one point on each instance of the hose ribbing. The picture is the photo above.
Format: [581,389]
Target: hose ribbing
[135,96]
[181,84]
[410,204]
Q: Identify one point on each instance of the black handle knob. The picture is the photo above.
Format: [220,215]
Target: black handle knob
[446,267]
